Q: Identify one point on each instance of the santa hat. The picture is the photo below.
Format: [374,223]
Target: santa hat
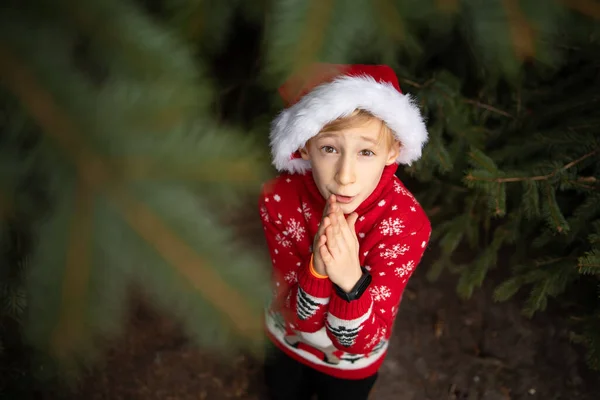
[325,92]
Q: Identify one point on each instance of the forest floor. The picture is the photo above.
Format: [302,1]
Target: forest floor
[443,348]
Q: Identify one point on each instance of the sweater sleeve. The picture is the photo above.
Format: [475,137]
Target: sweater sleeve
[357,326]
[301,297]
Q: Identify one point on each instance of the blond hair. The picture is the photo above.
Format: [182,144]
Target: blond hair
[357,118]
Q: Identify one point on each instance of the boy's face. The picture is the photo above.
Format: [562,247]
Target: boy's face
[349,163]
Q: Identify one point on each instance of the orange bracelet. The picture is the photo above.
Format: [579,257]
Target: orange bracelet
[314,273]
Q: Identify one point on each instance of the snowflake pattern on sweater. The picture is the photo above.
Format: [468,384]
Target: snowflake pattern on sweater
[393,232]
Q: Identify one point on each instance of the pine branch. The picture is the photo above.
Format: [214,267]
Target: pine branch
[552,212]
[310,41]
[448,6]
[531,199]
[71,321]
[589,263]
[590,8]
[437,267]
[550,261]
[488,107]
[520,29]
[94,173]
[538,177]
[390,19]
[195,24]
[587,179]
[6,206]
[207,23]
[238,172]
[507,289]
[14,301]
[418,85]
[476,103]
[438,151]
[499,200]
[16,77]
[577,184]
[538,298]
[193,268]
[122,28]
[478,159]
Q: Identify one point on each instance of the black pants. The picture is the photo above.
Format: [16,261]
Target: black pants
[287,379]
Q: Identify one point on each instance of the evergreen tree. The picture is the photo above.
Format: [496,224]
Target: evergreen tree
[530,166]
[510,91]
[108,114]
[116,168]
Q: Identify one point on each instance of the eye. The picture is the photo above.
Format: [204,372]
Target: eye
[366,153]
[328,149]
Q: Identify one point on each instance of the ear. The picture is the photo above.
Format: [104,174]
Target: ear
[304,153]
[393,153]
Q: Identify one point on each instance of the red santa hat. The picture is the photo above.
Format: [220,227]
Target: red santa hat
[325,92]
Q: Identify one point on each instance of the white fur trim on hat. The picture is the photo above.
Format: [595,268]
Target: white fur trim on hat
[294,126]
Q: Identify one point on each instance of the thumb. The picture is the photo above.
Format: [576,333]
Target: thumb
[351,221]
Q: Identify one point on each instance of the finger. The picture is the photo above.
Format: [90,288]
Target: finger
[338,233]
[322,241]
[333,208]
[326,212]
[337,238]
[346,236]
[331,216]
[327,208]
[320,237]
[325,256]
[345,233]
[352,218]
[330,202]
[332,242]
[341,217]
[336,221]
[326,222]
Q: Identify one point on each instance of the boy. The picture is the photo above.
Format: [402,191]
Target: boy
[343,232]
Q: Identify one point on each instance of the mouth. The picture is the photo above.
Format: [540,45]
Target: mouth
[344,199]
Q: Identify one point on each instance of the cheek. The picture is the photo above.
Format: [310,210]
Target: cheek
[323,167]
[319,175]
[371,174]
[370,169]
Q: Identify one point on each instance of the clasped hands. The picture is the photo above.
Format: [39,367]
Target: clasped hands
[335,247]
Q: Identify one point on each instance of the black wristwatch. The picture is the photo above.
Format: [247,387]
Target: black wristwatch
[358,289]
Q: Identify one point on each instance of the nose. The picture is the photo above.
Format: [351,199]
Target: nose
[346,173]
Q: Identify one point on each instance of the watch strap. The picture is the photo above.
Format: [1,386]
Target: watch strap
[359,288]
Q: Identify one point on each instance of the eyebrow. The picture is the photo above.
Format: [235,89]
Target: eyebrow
[333,135]
[327,135]
[368,139]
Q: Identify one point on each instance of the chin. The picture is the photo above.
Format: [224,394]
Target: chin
[348,208]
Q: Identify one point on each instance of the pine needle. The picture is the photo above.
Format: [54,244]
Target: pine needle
[191,266]
[390,19]
[448,6]
[310,41]
[520,29]
[94,172]
[69,331]
[6,206]
[590,8]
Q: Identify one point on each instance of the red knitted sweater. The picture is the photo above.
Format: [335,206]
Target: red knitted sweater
[306,319]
